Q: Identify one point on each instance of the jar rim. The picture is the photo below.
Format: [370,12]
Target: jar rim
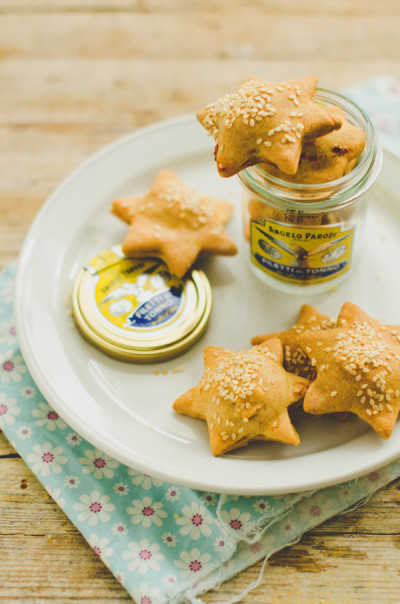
[338,191]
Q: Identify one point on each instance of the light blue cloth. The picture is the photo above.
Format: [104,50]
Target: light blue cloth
[164,542]
[380,98]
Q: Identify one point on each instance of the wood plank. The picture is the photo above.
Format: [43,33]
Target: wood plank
[303,572]
[342,7]
[240,36]
[119,92]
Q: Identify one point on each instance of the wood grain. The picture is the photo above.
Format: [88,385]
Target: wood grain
[76,75]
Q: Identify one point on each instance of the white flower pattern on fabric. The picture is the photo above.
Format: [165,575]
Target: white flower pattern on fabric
[209,498]
[120,489]
[147,595]
[346,492]
[11,367]
[73,439]
[99,463]
[172,494]
[56,495]
[315,507]
[144,480]
[94,507]
[48,417]
[146,512]
[194,521]
[261,506]
[8,410]
[169,539]
[24,432]
[289,528]
[8,333]
[143,556]
[7,292]
[119,529]
[28,391]
[101,547]
[120,576]
[219,544]
[45,459]
[169,581]
[235,520]
[192,562]
[72,482]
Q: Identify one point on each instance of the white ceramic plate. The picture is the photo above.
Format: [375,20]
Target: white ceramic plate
[125,409]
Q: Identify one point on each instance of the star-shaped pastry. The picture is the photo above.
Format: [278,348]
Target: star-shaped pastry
[244,396]
[358,369]
[295,359]
[264,121]
[174,223]
[328,157]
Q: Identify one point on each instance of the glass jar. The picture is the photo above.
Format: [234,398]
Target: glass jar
[307,237]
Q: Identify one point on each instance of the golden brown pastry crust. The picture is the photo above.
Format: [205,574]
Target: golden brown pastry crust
[244,396]
[358,369]
[264,121]
[174,223]
[327,157]
[294,358]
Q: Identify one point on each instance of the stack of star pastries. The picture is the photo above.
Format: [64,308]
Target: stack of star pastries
[350,365]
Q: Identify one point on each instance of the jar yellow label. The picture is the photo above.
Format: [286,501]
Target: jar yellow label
[301,254]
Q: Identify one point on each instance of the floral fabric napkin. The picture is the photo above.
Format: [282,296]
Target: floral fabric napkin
[164,542]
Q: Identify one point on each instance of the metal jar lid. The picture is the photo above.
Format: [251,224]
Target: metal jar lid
[133,309]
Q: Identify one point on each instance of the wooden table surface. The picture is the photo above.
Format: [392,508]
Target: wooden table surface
[74,76]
